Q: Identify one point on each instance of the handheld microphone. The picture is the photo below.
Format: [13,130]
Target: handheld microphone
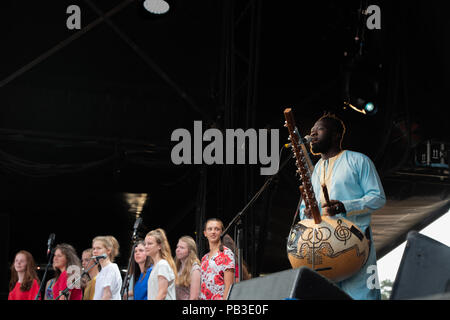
[102,256]
[305,140]
[50,241]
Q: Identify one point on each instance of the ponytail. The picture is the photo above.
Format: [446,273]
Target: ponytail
[111,244]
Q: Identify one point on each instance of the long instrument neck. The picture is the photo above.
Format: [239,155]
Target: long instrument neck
[303,170]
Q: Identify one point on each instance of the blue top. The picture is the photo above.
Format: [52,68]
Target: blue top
[351,177]
[140,287]
[49,291]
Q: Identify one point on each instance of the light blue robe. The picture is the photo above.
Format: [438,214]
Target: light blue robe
[354,181]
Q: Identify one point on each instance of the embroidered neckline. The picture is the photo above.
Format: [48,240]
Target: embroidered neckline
[326,173]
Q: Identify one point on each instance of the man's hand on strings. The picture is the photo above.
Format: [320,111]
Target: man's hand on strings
[333,208]
[307,212]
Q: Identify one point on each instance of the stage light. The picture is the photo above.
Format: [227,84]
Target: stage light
[361,106]
[360,91]
[346,103]
[369,107]
[156,6]
[136,202]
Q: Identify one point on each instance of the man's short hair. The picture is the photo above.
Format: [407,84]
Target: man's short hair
[336,123]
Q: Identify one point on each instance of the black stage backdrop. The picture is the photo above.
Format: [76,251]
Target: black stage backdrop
[86,116]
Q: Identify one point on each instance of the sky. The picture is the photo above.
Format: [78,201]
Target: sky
[438,230]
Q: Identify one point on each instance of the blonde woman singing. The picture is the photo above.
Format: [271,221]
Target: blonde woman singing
[161,283]
[188,266]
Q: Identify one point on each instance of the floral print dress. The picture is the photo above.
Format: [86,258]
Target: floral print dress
[213,271]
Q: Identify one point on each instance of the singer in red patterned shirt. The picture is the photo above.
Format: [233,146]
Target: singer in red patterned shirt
[217,266]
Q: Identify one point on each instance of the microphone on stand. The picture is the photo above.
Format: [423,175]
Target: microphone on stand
[305,140]
[126,281]
[50,241]
[102,256]
[137,223]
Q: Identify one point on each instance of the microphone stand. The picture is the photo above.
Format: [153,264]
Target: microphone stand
[126,281]
[42,286]
[238,221]
[65,292]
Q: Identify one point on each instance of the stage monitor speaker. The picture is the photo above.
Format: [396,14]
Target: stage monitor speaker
[302,283]
[439,296]
[424,269]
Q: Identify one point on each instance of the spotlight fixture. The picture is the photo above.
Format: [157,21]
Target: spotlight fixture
[361,89]
[370,107]
[156,6]
[367,108]
[136,202]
